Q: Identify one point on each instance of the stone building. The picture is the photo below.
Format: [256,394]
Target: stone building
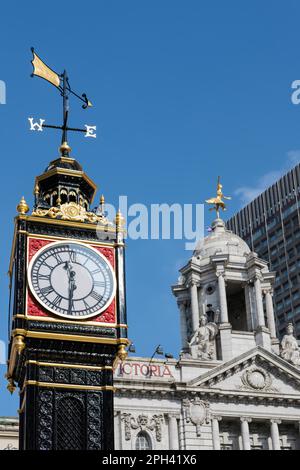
[234,386]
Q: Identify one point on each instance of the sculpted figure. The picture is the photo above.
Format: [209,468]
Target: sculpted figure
[202,344]
[289,347]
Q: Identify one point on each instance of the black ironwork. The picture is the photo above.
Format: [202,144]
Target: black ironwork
[65,90]
[43,423]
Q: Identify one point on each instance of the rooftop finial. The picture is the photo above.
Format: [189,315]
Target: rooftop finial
[218,202]
[119,220]
[22,207]
[65,149]
[102,204]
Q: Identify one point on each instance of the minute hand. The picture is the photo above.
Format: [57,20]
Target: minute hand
[72,285]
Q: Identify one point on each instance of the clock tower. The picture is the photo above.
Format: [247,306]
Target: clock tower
[68,312]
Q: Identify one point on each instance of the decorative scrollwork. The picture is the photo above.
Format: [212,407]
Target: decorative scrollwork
[45,422]
[257,379]
[196,411]
[143,423]
[72,211]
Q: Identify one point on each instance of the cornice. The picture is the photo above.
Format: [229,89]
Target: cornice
[181,391]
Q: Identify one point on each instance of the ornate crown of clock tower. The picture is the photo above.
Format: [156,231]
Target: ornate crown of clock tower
[68,312]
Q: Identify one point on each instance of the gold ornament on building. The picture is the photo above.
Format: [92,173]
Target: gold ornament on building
[102,204]
[72,211]
[22,207]
[36,191]
[122,353]
[65,149]
[11,387]
[119,220]
[218,202]
[19,343]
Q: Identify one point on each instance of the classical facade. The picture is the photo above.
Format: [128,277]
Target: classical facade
[234,385]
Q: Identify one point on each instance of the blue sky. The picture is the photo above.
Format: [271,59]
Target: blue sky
[183,91]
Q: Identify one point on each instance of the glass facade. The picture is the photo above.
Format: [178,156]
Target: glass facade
[270,224]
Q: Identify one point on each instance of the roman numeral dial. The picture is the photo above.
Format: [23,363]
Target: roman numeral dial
[72,280]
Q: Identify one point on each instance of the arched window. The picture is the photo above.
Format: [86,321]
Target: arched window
[63,196]
[143,442]
[72,196]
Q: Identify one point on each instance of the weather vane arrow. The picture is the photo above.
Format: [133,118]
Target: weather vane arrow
[61,82]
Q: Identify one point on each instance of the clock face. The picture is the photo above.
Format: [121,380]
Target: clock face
[71,280]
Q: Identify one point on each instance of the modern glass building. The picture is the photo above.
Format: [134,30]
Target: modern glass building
[270,224]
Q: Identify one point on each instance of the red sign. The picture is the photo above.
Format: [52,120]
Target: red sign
[142,369]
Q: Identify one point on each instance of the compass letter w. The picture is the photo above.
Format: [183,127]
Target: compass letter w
[36,126]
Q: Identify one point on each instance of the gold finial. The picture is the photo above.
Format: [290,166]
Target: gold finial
[65,149]
[218,201]
[11,385]
[102,202]
[19,343]
[122,353]
[119,220]
[36,189]
[22,207]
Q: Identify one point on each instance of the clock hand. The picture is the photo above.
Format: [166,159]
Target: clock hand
[72,285]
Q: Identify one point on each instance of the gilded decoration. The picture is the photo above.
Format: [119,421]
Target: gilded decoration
[72,211]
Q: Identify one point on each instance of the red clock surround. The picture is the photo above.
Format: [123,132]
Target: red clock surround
[34,309]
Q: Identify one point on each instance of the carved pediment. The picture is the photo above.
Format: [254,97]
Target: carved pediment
[255,372]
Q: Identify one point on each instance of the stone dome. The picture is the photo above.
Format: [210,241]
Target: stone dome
[221,241]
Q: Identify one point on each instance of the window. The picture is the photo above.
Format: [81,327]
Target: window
[143,442]
[226,447]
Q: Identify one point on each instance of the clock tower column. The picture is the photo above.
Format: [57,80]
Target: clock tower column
[68,316]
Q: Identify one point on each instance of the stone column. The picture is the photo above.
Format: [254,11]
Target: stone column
[259,302]
[173,432]
[223,298]
[216,432]
[275,434]
[270,313]
[245,433]
[194,305]
[183,324]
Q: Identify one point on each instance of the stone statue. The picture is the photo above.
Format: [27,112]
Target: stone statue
[289,347]
[202,344]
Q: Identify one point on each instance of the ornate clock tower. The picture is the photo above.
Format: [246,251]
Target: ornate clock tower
[68,324]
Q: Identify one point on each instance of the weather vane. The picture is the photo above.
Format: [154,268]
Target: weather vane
[61,82]
[218,201]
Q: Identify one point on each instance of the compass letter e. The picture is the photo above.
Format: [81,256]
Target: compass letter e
[90,131]
[36,126]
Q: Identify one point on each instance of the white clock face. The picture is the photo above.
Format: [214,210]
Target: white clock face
[71,280]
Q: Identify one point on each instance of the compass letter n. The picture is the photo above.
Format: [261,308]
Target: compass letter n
[36,126]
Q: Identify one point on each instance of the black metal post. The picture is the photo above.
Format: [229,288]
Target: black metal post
[65,107]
